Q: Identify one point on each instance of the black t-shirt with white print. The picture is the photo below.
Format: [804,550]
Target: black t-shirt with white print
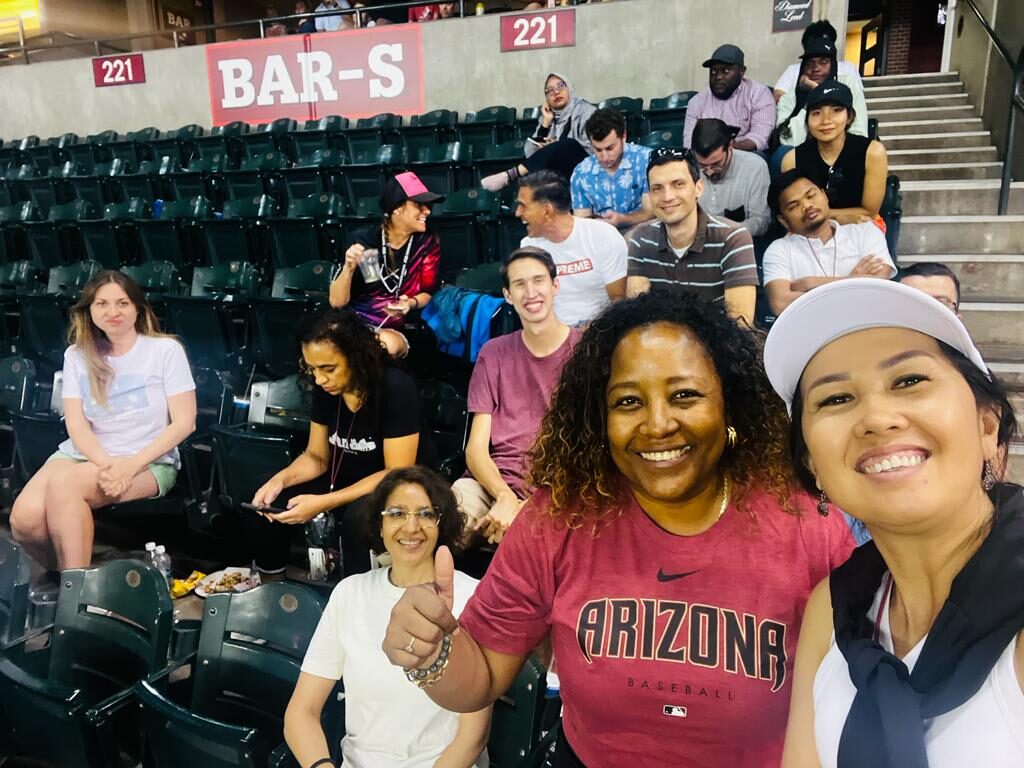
[391,410]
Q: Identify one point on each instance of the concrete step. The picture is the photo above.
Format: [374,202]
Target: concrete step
[938,140]
[946,155]
[920,89]
[922,78]
[1015,464]
[961,234]
[1010,372]
[890,127]
[994,322]
[985,276]
[908,102]
[958,198]
[1017,401]
[903,114]
[947,171]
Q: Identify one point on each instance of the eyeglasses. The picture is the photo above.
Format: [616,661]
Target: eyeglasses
[557,88]
[427,517]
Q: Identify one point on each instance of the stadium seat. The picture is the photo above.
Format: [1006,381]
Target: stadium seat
[486,127]
[668,112]
[251,647]
[57,240]
[113,240]
[225,141]
[204,177]
[151,181]
[497,158]
[323,134]
[179,144]
[155,278]
[630,108]
[321,171]
[365,175]
[100,187]
[245,456]
[371,133]
[133,148]
[271,139]
[42,156]
[669,137]
[273,320]
[52,189]
[67,281]
[891,212]
[211,321]
[81,153]
[445,412]
[485,278]
[311,231]
[240,235]
[429,130]
[466,224]
[71,704]
[171,237]
[12,230]
[443,168]
[43,337]
[256,176]
[16,177]
[14,589]
[518,717]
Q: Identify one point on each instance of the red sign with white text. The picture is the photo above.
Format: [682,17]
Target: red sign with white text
[356,73]
[543,29]
[118,70]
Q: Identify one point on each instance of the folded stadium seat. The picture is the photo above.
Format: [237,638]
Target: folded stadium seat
[325,133]
[245,456]
[212,321]
[70,704]
[80,152]
[172,237]
[251,647]
[204,177]
[310,232]
[100,142]
[525,124]
[178,144]
[67,281]
[466,223]
[43,155]
[668,137]
[891,212]
[22,149]
[17,176]
[102,186]
[630,108]
[267,139]
[447,417]
[113,240]
[132,148]
[258,175]
[240,235]
[321,171]
[371,133]
[13,246]
[57,240]
[429,130]
[5,193]
[668,112]
[157,279]
[52,189]
[364,176]
[486,127]
[518,716]
[485,278]
[496,159]
[147,182]
[443,168]
[14,589]
[223,140]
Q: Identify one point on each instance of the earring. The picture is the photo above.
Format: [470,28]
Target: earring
[823,505]
[730,436]
[989,478]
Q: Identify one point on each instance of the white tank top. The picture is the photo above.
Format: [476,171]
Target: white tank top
[986,730]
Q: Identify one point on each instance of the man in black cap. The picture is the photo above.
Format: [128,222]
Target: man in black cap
[733,99]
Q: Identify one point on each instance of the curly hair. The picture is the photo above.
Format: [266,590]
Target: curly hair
[449,528]
[363,351]
[570,456]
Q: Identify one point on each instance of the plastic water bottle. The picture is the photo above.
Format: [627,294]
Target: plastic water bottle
[150,552]
[162,562]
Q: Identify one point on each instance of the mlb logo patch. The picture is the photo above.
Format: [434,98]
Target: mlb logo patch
[673,711]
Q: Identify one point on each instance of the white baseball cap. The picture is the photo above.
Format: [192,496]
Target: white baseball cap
[831,311]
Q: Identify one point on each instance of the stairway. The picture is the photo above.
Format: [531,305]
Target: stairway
[949,172]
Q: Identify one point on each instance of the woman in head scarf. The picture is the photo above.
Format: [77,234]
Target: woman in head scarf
[559,142]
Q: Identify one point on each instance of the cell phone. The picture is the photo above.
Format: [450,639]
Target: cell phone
[262,510]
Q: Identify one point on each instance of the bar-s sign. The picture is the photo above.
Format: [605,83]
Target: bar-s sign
[356,73]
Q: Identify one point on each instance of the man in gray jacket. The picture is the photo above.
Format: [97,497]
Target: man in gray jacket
[735,183]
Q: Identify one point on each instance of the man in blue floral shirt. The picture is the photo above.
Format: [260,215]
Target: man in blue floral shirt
[612,183]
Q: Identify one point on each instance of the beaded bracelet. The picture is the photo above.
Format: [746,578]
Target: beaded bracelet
[424,678]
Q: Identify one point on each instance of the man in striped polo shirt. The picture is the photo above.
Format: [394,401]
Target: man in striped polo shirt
[687,248]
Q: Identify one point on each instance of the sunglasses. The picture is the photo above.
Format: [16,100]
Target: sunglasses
[668,154]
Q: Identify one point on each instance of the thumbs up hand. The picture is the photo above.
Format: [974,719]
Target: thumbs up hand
[422,617]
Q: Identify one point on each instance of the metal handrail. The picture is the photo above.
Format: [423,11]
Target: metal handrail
[1016,102]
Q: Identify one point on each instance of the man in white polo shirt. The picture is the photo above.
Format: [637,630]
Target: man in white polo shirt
[589,254]
[816,250]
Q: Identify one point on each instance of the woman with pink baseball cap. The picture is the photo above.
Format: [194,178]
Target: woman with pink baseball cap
[393,268]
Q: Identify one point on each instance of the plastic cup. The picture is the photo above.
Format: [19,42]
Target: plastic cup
[369,265]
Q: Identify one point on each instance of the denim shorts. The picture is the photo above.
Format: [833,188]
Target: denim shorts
[165,474]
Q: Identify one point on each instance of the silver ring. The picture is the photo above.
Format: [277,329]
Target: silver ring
[408,648]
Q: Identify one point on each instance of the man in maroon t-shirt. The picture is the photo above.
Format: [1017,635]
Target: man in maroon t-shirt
[509,392]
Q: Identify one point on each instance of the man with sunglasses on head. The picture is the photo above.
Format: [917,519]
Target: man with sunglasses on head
[817,249]
[735,183]
[687,248]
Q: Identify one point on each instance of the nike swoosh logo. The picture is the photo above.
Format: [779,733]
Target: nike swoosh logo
[662,576]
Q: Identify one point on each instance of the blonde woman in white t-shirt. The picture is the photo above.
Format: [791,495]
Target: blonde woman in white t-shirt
[388,722]
[129,400]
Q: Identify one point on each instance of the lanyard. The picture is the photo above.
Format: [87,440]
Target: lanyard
[405,264]
[338,454]
[883,606]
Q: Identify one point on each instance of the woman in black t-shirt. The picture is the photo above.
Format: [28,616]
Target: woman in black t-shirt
[365,421]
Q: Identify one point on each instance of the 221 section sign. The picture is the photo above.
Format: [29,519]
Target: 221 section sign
[357,73]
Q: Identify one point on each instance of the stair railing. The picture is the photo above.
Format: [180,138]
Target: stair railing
[1016,102]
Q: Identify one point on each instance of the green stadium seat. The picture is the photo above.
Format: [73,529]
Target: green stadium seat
[14,582]
[151,181]
[240,235]
[102,186]
[466,224]
[311,279]
[68,280]
[323,134]
[631,108]
[71,704]
[58,240]
[13,246]
[447,416]
[245,456]
[429,130]
[178,144]
[225,141]
[518,717]
[43,155]
[500,157]
[17,176]
[668,137]
[311,231]
[891,212]
[81,153]
[204,177]
[43,337]
[250,652]
[371,133]
[273,320]
[318,172]
[113,241]
[443,168]
[172,236]
[365,175]
[19,391]
[271,139]
[156,278]
[133,148]
[668,112]
[485,278]
[486,127]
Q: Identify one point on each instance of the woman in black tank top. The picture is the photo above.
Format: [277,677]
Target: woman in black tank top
[850,168]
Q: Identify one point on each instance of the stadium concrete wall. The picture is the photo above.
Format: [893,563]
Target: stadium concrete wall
[644,48]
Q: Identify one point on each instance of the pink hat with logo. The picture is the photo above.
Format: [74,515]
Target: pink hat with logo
[406,186]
